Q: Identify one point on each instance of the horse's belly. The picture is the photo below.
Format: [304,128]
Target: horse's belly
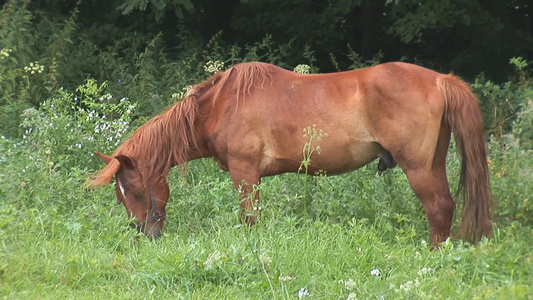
[337,159]
[332,158]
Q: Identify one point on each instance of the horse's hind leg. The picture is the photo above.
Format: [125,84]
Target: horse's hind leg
[431,187]
[429,182]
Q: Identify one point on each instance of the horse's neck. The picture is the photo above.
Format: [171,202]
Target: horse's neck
[192,155]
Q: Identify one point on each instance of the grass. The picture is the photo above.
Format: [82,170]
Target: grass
[275,260]
[363,238]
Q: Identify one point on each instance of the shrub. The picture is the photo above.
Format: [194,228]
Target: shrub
[70,128]
[511,166]
[523,126]
[500,103]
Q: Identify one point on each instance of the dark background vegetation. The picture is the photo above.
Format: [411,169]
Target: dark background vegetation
[148,50]
[465,36]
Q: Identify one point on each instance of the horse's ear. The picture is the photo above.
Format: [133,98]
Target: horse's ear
[125,161]
[104,157]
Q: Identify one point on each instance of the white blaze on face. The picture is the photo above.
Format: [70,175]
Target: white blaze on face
[122,190]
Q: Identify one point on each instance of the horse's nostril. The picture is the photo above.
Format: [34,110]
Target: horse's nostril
[153,233]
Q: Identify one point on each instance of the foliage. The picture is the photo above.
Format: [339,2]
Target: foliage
[158,6]
[149,50]
[500,103]
[71,128]
[18,84]
[523,126]
[335,20]
[135,66]
[456,34]
[510,165]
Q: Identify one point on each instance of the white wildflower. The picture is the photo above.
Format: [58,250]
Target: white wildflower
[302,69]
[33,68]
[352,296]
[349,283]
[375,272]
[214,66]
[287,278]
[409,285]
[265,259]
[303,292]
[5,53]
[213,260]
[425,271]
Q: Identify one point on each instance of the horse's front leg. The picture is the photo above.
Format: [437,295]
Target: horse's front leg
[246,178]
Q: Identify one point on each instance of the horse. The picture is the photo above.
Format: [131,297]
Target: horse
[250,117]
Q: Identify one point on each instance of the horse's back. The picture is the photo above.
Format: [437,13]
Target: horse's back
[364,112]
[269,123]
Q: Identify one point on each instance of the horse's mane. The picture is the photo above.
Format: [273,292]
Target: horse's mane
[247,76]
[165,140]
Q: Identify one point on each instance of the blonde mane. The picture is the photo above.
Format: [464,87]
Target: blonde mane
[164,141]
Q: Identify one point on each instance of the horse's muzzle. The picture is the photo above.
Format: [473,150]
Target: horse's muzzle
[152,230]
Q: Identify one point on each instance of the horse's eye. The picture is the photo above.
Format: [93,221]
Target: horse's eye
[139,197]
[138,194]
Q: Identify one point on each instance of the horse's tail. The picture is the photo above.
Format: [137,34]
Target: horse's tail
[463,115]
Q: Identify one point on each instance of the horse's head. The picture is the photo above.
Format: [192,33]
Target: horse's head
[144,200]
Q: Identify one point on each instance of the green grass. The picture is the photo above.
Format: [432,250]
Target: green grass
[45,259]
[62,241]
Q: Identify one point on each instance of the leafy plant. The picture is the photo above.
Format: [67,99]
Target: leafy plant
[501,102]
[71,128]
[19,83]
[511,162]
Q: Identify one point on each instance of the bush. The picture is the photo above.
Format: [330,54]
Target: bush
[523,126]
[500,103]
[511,164]
[70,128]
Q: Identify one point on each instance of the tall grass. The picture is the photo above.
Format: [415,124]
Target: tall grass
[90,253]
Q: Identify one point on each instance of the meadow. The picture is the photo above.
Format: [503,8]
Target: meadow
[361,235]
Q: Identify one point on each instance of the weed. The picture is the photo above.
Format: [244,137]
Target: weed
[313,134]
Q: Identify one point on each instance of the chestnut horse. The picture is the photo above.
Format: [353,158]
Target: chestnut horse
[250,119]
